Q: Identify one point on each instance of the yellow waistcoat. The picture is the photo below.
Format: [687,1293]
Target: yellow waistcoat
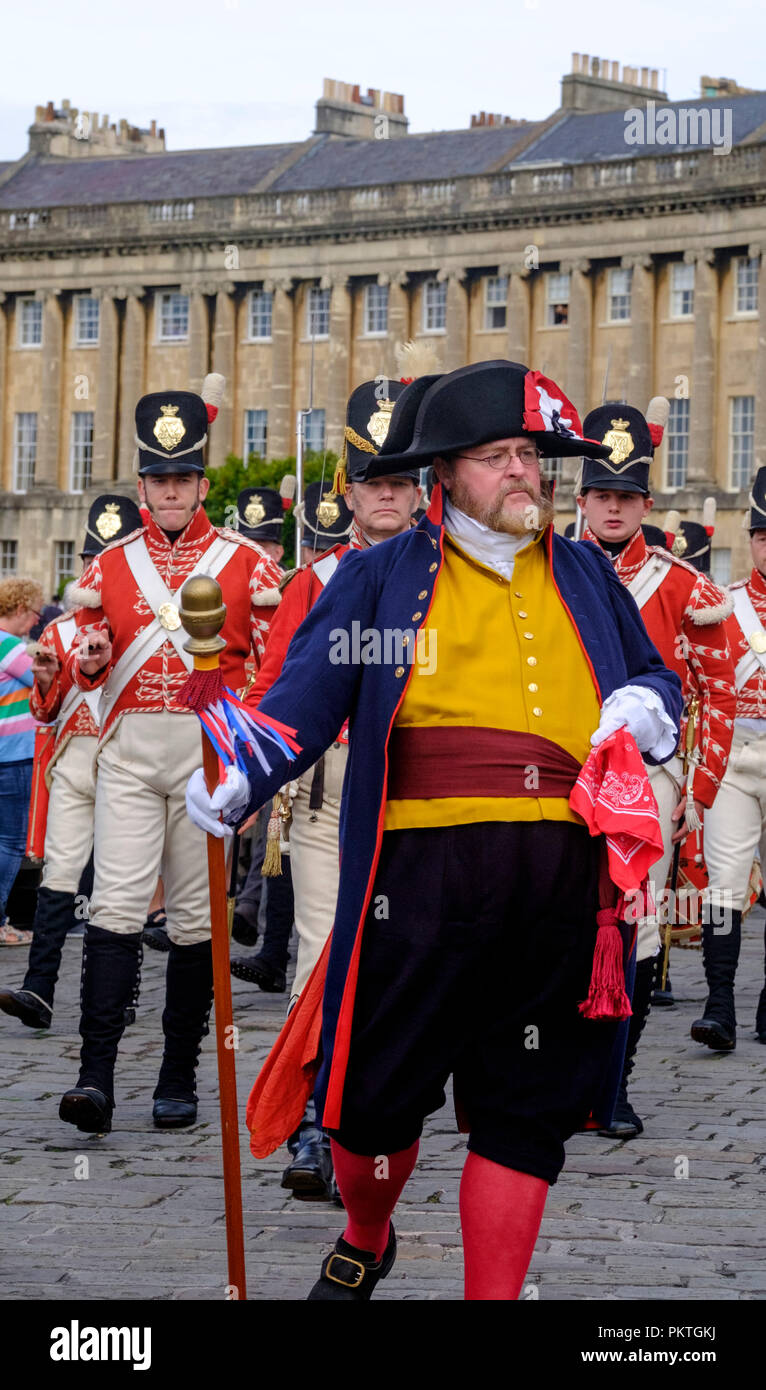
[506,657]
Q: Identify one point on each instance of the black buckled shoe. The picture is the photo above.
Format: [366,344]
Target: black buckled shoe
[350,1275]
[174,1114]
[309,1176]
[714,1033]
[258,972]
[26,1006]
[155,932]
[625,1124]
[88,1109]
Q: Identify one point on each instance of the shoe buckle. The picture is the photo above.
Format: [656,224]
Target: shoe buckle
[347,1284]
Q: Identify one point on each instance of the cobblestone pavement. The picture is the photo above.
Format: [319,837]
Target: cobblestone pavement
[148,1223]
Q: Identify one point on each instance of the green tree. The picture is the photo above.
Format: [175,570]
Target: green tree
[228,481]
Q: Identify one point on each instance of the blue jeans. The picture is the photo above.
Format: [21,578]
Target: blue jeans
[15,788]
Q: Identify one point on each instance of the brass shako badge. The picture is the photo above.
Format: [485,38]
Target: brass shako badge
[619,440]
[108,522]
[328,510]
[168,429]
[378,424]
[255,511]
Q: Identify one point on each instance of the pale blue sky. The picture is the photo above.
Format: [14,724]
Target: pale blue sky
[230,72]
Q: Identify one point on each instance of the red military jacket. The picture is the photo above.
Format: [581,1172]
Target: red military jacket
[750,677]
[113,600]
[685,616]
[299,594]
[77,718]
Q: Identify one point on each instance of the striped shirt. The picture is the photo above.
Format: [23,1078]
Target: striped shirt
[17,727]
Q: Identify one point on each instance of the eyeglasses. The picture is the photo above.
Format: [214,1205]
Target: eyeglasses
[528,456]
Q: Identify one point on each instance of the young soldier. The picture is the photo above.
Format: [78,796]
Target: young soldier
[131,646]
[469,889]
[684,613]
[68,829]
[734,825]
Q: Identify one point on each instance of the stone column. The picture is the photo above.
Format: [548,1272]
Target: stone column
[221,439]
[105,421]
[281,424]
[519,309]
[398,307]
[579,344]
[131,378]
[338,387]
[702,403]
[199,333]
[760,362]
[5,483]
[456,346]
[640,381]
[49,421]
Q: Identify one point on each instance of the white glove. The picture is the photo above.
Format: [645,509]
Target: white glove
[229,798]
[642,712]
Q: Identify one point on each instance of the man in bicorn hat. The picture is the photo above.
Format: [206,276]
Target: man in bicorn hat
[735,823]
[467,908]
[131,647]
[684,614]
[377,510]
[67,832]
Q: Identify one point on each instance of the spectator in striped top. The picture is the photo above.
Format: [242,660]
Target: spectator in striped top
[20,604]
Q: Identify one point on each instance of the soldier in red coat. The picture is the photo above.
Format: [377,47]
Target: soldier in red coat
[684,614]
[734,825]
[131,647]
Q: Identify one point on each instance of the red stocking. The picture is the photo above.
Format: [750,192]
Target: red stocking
[500,1213]
[370,1188]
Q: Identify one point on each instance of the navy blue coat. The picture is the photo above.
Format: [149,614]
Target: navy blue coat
[382,588]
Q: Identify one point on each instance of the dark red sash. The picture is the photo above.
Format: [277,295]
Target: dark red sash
[444,761]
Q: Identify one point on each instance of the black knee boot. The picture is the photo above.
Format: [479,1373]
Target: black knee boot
[720,950]
[625,1122]
[33,1003]
[110,967]
[310,1174]
[760,1016]
[188,998]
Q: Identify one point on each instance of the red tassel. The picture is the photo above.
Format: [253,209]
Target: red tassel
[212,411]
[655,434]
[606,996]
[201,689]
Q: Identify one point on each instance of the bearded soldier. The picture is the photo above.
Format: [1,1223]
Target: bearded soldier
[67,834]
[684,613]
[468,896]
[131,648]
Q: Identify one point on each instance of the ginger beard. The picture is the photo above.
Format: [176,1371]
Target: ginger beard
[522,521]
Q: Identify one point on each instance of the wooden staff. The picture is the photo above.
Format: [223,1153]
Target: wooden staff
[202,614]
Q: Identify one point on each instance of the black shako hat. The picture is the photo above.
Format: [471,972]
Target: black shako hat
[260,513]
[757,501]
[368,419]
[693,543]
[630,439]
[171,427]
[110,518]
[487,401]
[326,518]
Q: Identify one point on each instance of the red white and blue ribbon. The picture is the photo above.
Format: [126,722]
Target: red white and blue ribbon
[236,732]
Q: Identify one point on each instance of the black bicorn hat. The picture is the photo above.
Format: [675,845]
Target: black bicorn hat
[260,513]
[326,519]
[111,517]
[757,501]
[171,427]
[486,401]
[368,419]
[630,439]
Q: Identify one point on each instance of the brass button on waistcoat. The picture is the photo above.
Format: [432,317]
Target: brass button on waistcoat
[532,687]
[531,661]
[528,635]
[522,614]
[537,711]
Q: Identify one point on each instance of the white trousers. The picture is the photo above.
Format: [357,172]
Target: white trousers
[314,862]
[736,821]
[143,831]
[69,827]
[666,781]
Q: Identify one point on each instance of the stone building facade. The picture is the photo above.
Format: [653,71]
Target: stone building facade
[296,269]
